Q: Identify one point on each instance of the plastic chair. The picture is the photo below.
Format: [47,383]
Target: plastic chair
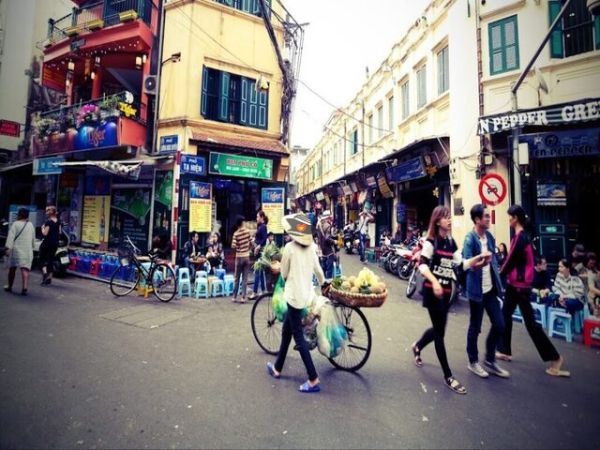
[200,287]
[540,314]
[229,284]
[183,281]
[217,287]
[559,324]
[220,273]
[201,274]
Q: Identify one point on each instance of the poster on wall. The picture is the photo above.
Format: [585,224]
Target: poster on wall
[70,204]
[130,215]
[551,194]
[96,210]
[163,199]
[272,200]
[200,207]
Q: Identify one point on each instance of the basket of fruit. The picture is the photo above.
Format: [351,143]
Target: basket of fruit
[366,290]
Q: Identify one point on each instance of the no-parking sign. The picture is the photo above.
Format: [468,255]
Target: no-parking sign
[492,189]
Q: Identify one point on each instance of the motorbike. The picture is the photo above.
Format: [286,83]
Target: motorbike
[351,239]
[61,261]
[415,278]
[410,258]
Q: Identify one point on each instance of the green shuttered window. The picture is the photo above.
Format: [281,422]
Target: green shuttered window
[504,45]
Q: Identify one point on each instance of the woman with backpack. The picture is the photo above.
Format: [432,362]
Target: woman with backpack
[519,270]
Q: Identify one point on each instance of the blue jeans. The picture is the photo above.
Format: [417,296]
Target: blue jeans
[292,326]
[259,279]
[572,305]
[191,267]
[327,265]
[361,246]
[491,305]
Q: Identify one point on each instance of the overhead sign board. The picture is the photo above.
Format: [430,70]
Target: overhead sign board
[408,170]
[240,166]
[10,128]
[48,166]
[563,144]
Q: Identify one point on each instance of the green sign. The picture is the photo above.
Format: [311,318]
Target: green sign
[240,166]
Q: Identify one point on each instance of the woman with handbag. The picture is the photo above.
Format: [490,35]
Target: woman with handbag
[19,247]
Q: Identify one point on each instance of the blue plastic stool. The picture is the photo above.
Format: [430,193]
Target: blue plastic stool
[201,273]
[540,314]
[559,324]
[578,319]
[229,282]
[370,255]
[201,287]
[220,273]
[217,288]
[183,281]
[517,316]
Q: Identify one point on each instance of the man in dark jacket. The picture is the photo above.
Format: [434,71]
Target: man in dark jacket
[326,243]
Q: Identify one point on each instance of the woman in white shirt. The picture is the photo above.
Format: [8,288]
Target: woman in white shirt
[19,243]
[298,264]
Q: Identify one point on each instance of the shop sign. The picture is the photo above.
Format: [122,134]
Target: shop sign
[563,114]
[371,181]
[551,194]
[408,170]
[194,165]
[10,128]
[354,187]
[272,200]
[169,144]
[319,196]
[240,166]
[200,206]
[77,44]
[48,166]
[347,189]
[564,144]
[384,188]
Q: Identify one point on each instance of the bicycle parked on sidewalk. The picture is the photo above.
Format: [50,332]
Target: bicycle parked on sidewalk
[267,331]
[158,277]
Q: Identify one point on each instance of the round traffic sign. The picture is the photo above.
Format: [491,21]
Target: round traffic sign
[492,189]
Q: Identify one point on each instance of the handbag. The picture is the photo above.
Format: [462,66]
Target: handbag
[6,250]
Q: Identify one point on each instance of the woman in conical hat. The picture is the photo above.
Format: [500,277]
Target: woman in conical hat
[298,264]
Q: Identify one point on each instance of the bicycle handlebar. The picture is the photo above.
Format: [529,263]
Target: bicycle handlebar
[130,242]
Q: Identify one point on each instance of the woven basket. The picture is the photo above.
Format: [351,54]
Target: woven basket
[358,300]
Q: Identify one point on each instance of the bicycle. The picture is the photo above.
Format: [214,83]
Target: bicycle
[131,272]
[267,332]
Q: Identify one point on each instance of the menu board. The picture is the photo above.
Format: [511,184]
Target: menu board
[272,200]
[96,215]
[200,207]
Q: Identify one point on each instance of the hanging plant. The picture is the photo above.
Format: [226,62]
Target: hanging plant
[88,114]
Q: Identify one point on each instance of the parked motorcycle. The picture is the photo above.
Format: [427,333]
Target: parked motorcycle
[351,239]
[410,258]
[61,257]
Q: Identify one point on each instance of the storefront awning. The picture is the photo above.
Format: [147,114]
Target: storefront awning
[9,167]
[243,143]
[582,110]
[130,169]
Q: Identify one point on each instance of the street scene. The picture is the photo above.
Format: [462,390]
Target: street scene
[299,224]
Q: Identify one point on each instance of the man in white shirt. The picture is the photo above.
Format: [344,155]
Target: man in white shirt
[298,264]
[363,228]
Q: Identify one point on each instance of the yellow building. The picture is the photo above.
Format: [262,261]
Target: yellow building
[220,109]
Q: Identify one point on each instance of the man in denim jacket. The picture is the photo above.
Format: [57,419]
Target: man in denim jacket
[483,288]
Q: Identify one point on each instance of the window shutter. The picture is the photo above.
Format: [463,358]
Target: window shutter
[204,97]
[496,59]
[256,7]
[597,31]
[247,5]
[253,112]
[224,97]
[511,49]
[556,43]
[262,109]
[244,103]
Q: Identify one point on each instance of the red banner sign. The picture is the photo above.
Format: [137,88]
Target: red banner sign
[10,128]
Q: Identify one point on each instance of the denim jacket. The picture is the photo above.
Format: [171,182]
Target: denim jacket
[472,247]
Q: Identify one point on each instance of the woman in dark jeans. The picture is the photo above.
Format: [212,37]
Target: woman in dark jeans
[49,245]
[260,240]
[440,253]
[519,270]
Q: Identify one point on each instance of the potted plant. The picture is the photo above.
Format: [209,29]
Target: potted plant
[88,115]
[109,107]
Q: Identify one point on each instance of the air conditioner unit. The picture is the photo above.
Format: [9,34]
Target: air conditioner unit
[455,172]
[150,84]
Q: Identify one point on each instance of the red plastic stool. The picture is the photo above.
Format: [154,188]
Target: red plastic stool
[591,331]
[95,267]
[73,263]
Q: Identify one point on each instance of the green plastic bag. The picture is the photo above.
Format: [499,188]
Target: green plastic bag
[279,303]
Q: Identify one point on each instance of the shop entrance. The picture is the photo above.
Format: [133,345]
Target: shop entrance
[383,219]
[420,203]
[234,198]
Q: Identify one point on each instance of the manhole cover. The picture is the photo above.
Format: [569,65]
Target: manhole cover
[146,316]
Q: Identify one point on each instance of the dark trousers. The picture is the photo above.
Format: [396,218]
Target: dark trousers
[491,305]
[241,270]
[327,265]
[439,317]
[292,326]
[520,297]
[362,246]
[259,281]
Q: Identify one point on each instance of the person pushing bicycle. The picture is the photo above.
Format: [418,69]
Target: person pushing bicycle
[298,264]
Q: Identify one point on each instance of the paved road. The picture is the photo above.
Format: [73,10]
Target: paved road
[82,369]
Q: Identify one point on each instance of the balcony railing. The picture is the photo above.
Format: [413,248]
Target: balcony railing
[102,13]
[70,128]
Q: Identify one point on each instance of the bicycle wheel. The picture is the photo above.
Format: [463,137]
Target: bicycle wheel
[265,326]
[164,283]
[358,348]
[124,280]
[411,287]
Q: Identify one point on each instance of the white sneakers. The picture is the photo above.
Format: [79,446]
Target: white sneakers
[477,369]
[492,367]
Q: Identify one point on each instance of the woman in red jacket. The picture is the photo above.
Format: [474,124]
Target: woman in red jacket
[518,268]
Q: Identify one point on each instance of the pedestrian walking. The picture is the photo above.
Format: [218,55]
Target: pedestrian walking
[438,257]
[483,286]
[298,264]
[326,243]
[49,245]
[518,268]
[364,218]
[19,250]
[241,244]
[260,240]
